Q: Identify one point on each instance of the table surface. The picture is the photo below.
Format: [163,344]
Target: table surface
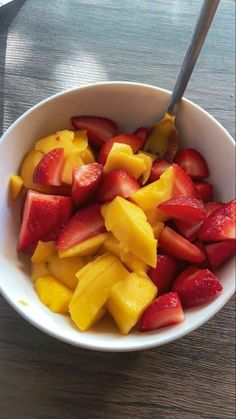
[45,47]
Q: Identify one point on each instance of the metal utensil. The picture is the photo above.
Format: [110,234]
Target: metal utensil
[163,138]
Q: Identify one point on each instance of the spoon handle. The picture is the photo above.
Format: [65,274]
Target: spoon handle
[202,26]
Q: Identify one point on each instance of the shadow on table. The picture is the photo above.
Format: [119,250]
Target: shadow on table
[7,14]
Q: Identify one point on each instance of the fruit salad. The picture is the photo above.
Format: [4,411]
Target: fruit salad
[112,229]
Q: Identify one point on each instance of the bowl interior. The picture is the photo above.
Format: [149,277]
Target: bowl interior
[130,105]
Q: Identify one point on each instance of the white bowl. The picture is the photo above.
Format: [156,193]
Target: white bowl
[130,105]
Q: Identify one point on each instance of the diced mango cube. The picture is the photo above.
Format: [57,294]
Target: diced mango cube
[71,161]
[39,270]
[53,294]
[155,215]
[157,229]
[62,139]
[87,156]
[65,269]
[80,140]
[43,251]
[129,225]
[16,183]
[148,159]
[121,157]
[86,248]
[152,195]
[129,298]
[93,289]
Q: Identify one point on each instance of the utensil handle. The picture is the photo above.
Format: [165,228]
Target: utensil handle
[202,26]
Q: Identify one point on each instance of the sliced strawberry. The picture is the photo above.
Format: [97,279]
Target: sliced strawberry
[116,183]
[177,246]
[86,223]
[43,214]
[86,179]
[193,163]
[196,286]
[182,183]
[136,143]
[187,229]
[220,225]
[164,311]
[142,133]
[99,129]
[218,253]
[48,171]
[212,206]
[159,166]
[184,208]
[164,274]
[205,190]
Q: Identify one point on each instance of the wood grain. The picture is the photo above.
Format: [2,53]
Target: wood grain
[45,47]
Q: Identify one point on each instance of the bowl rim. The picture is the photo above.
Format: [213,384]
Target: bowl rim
[139,345]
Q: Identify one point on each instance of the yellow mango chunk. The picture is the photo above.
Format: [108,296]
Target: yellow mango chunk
[129,225]
[129,298]
[16,183]
[80,140]
[86,248]
[39,270]
[87,156]
[121,157]
[65,269]
[112,245]
[152,195]
[43,251]
[155,215]
[53,294]
[62,139]
[72,161]
[157,229]
[148,160]
[93,289]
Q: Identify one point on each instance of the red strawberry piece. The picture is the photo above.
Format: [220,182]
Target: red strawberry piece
[205,190]
[220,225]
[133,141]
[164,273]
[164,311]
[86,179]
[218,253]
[99,129]
[43,214]
[48,171]
[193,163]
[175,245]
[86,223]
[159,166]
[182,183]
[184,208]
[117,183]
[212,206]
[142,133]
[196,286]
[188,230]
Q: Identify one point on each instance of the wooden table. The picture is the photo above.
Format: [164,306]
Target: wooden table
[45,47]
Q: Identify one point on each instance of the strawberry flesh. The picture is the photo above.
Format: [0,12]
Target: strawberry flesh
[159,166]
[220,225]
[86,223]
[182,183]
[164,311]
[135,142]
[142,133]
[48,170]
[116,183]
[99,129]
[43,215]
[205,190]
[176,245]
[193,163]
[196,286]
[184,208]
[218,253]
[164,274]
[86,179]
